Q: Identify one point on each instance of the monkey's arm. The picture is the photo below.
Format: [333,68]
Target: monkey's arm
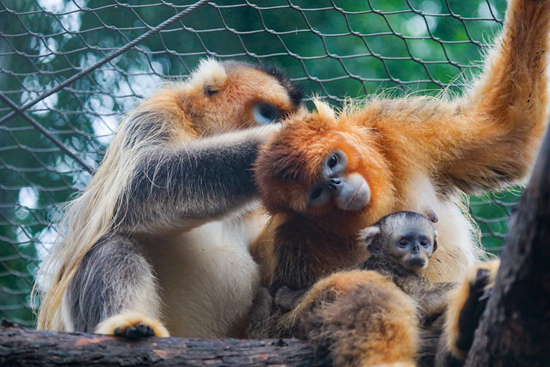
[286,299]
[184,187]
[433,299]
[508,106]
[487,139]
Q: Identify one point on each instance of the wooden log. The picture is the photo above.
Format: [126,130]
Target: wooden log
[23,347]
[515,328]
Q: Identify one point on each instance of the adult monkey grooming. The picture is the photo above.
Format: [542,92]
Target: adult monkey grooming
[164,226]
[395,155]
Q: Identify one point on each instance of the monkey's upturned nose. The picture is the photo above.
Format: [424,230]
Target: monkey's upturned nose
[334,183]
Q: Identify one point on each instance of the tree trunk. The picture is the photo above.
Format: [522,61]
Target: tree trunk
[515,329]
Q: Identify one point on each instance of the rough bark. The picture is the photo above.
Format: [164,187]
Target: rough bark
[24,347]
[21,347]
[515,329]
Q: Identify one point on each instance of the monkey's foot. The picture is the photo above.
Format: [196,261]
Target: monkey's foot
[466,305]
[132,325]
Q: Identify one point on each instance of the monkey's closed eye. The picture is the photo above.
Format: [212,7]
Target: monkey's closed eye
[316,193]
[210,90]
[265,113]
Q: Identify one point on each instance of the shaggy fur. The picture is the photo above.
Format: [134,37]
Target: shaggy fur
[175,192]
[373,323]
[431,298]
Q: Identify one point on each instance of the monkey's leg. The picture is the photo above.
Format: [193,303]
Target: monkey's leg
[466,305]
[114,287]
[368,322]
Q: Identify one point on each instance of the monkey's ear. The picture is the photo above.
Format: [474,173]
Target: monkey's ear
[435,241]
[369,235]
[430,214]
[209,77]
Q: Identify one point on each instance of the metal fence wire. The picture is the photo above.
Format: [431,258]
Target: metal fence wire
[69,69]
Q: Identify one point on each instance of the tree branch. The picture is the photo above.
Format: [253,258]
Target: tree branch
[22,347]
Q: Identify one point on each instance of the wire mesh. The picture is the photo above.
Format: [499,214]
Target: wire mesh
[62,95]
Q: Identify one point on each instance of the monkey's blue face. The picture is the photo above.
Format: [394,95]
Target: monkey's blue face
[349,191]
[412,248]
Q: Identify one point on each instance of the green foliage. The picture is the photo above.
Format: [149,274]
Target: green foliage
[337,49]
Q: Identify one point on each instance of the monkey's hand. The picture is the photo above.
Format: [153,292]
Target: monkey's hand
[466,305]
[132,325]
[286,299]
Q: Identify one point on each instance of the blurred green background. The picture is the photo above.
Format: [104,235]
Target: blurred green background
[336,49]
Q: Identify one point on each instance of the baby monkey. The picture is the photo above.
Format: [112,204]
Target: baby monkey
[404,238]
[401,245]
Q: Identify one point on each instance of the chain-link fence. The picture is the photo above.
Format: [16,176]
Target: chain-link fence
[63,91]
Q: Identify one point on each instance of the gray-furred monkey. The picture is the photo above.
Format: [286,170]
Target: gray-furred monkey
[161,234]
[401,245]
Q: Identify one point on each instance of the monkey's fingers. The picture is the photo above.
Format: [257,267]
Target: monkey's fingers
[466,305]
[132,325]
[475,304]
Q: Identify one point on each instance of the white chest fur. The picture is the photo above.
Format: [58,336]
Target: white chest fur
[458,249]
[208,277]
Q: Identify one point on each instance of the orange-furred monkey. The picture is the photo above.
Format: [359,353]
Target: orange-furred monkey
[325,177]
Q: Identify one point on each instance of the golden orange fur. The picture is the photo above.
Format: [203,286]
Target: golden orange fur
[369,322]
[457,299]
[118,324]
[419,151]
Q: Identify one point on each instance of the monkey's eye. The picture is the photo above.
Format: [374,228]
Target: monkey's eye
[265,113]
[333,161]
[424,243]
[403,243]
[336,163]
[316,193]
[210,90]
[319,196]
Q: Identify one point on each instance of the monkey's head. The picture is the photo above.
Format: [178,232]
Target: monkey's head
[406,238]
[328,168]
[224,96]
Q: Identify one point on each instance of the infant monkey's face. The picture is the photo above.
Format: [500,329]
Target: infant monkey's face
[412,248]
